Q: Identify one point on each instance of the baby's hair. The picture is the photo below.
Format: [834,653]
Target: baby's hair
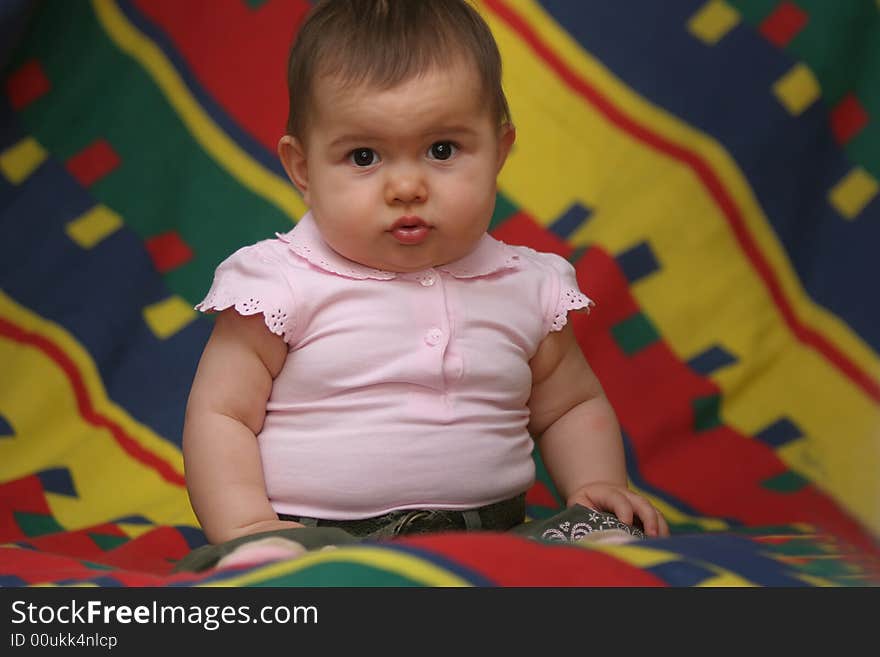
[386,42]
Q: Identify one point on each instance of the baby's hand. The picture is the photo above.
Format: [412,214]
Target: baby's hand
[623,503]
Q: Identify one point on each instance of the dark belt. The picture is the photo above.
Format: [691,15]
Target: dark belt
[499,516]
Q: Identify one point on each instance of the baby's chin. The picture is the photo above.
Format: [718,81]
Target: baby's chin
[401,260]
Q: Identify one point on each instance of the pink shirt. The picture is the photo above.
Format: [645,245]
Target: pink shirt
[399,390]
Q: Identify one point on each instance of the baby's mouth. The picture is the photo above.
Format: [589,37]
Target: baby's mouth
[410,230]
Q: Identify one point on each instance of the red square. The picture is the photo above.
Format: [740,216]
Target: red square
[784,23]
[27,84]
[93,162]
[168,251]
[848,118]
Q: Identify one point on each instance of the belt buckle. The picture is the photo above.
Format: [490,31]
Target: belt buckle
[420,518]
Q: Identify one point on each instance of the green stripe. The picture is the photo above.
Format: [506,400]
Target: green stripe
[340,574]
[165,180]
[833,42]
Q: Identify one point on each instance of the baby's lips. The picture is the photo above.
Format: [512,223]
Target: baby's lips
[411,235]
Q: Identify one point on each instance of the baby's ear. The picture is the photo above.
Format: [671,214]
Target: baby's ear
[293,159]
[506,137]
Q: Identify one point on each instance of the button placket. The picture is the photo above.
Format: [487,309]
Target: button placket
[434,330]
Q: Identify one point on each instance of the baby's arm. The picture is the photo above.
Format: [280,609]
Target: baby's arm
[579,437]
[226,409]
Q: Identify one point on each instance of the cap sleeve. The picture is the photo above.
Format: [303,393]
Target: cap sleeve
[565,295]
[252,281]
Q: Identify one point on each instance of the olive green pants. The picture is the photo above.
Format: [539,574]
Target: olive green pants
[572,524]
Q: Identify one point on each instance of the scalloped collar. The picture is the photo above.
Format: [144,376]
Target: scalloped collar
[489,257]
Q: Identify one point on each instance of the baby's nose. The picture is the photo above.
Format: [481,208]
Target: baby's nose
[406,186]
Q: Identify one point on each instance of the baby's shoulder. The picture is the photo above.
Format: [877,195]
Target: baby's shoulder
[542,263]
[269,251]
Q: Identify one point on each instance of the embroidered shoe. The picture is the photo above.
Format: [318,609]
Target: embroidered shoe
[578,523]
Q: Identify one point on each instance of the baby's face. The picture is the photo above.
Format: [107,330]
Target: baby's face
[401,179]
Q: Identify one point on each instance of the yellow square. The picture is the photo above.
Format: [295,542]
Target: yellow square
[853,192]
[169,316]
[133,531]
[20,160]
[93,226]
[797,89]
[713,20]
[723,578]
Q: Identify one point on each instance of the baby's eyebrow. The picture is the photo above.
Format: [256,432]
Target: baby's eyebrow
[452,131]
[352,140]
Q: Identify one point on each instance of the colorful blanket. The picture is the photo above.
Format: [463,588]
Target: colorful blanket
[710,168]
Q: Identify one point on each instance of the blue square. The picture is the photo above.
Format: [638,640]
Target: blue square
[711,360]
[5,428]
[58,481]
[780,433]
[570,221]
[638,262]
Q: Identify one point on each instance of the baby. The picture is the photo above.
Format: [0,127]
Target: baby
[382,368]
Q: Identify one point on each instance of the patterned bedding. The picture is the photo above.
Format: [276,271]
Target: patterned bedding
[709,167]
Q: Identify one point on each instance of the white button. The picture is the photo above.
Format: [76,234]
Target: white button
[428,280]
[433,337]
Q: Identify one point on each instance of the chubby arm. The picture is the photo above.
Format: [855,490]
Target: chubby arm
[225,411]
[579,436]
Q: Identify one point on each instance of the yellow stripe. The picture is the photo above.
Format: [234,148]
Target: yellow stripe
[389,560]
[216,143]
[706,291]
[39,403]
[646,558]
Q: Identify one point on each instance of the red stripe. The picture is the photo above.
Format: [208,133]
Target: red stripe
[84,404]
[710,180]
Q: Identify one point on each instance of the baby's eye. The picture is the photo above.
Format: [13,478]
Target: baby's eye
[363,157]
[442,150]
